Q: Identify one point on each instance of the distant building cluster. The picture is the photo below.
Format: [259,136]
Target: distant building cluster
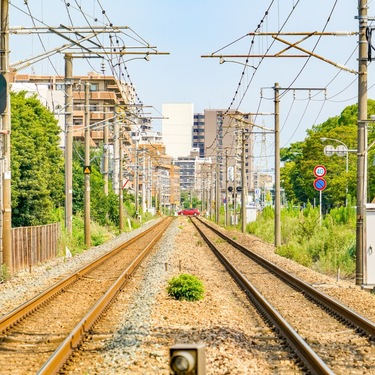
[194,152]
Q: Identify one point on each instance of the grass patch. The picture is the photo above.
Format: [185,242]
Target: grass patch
[324,245]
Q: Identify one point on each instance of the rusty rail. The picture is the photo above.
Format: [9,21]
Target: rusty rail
[348,315]
[32,304]
[306,354]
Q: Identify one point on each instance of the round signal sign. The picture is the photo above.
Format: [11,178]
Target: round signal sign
[320,171]
[320,184]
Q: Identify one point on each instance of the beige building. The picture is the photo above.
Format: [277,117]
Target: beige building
[111,105]
[225,135]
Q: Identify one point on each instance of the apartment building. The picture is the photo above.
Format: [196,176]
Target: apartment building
[198,133]
[177,127]
[111,104]
[109,100]
[221,136]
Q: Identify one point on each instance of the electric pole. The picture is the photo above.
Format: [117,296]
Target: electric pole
[226,190]
[106,153]
[244,192]
[120,187]
[144,181]
[68,142]
[362,142]
[218,192]
[277,169]
[87,166]
[211,190]
[6,127]
[136,181]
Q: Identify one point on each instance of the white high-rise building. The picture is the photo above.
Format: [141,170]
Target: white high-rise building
[177,128]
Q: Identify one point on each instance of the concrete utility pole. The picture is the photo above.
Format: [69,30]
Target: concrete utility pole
[203,195]
[5,130]
[211,190]
[218,193]
[106,153]
[120,189]
[277,169]
[150,187]
[226,189]
[244,192]
[68,142]
[136,181]
[87,166]
[144,182]
[362,143]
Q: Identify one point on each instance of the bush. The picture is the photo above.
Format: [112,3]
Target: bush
[185,287]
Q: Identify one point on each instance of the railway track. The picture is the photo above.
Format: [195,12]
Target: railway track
[40,335]
[325,335]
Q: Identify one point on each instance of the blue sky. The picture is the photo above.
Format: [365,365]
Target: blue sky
[189,29]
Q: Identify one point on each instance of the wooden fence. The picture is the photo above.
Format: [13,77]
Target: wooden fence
[34,245]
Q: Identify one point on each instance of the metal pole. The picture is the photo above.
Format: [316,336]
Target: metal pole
[362,141]
[226,189]
[203,186]
[106,154]
[150,185]
[235,195]
[218,195]
[144,183]
[116,157]
[120,189]
[68,142]
[87,166]
[346,170]
[211,190]
[136,181]
[277,168]
[6,127]
[320,208]
[244,185]
[156,187]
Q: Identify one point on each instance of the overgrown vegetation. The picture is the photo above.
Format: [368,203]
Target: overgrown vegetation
[186,287]
[300,158]
[38,179]
[325,244]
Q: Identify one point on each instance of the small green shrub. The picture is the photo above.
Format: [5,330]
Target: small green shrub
[4,273]
[185,287]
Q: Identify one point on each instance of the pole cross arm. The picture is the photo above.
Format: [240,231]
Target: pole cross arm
[307,53]
[251,123]
[294,45]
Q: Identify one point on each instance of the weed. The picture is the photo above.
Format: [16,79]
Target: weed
[4,273]
[185,287]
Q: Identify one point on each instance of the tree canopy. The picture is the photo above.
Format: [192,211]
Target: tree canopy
[300,158]
[37,163]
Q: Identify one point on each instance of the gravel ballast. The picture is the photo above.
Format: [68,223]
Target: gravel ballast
[147,321]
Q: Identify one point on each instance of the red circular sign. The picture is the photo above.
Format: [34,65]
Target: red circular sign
[320,184]
[320,171]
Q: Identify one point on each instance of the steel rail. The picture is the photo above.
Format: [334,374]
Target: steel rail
[31,305]
[73,340]
[347,314]
[304,352]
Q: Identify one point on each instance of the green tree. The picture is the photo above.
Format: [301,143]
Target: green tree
[37,163]
[104,209]
[300,159]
